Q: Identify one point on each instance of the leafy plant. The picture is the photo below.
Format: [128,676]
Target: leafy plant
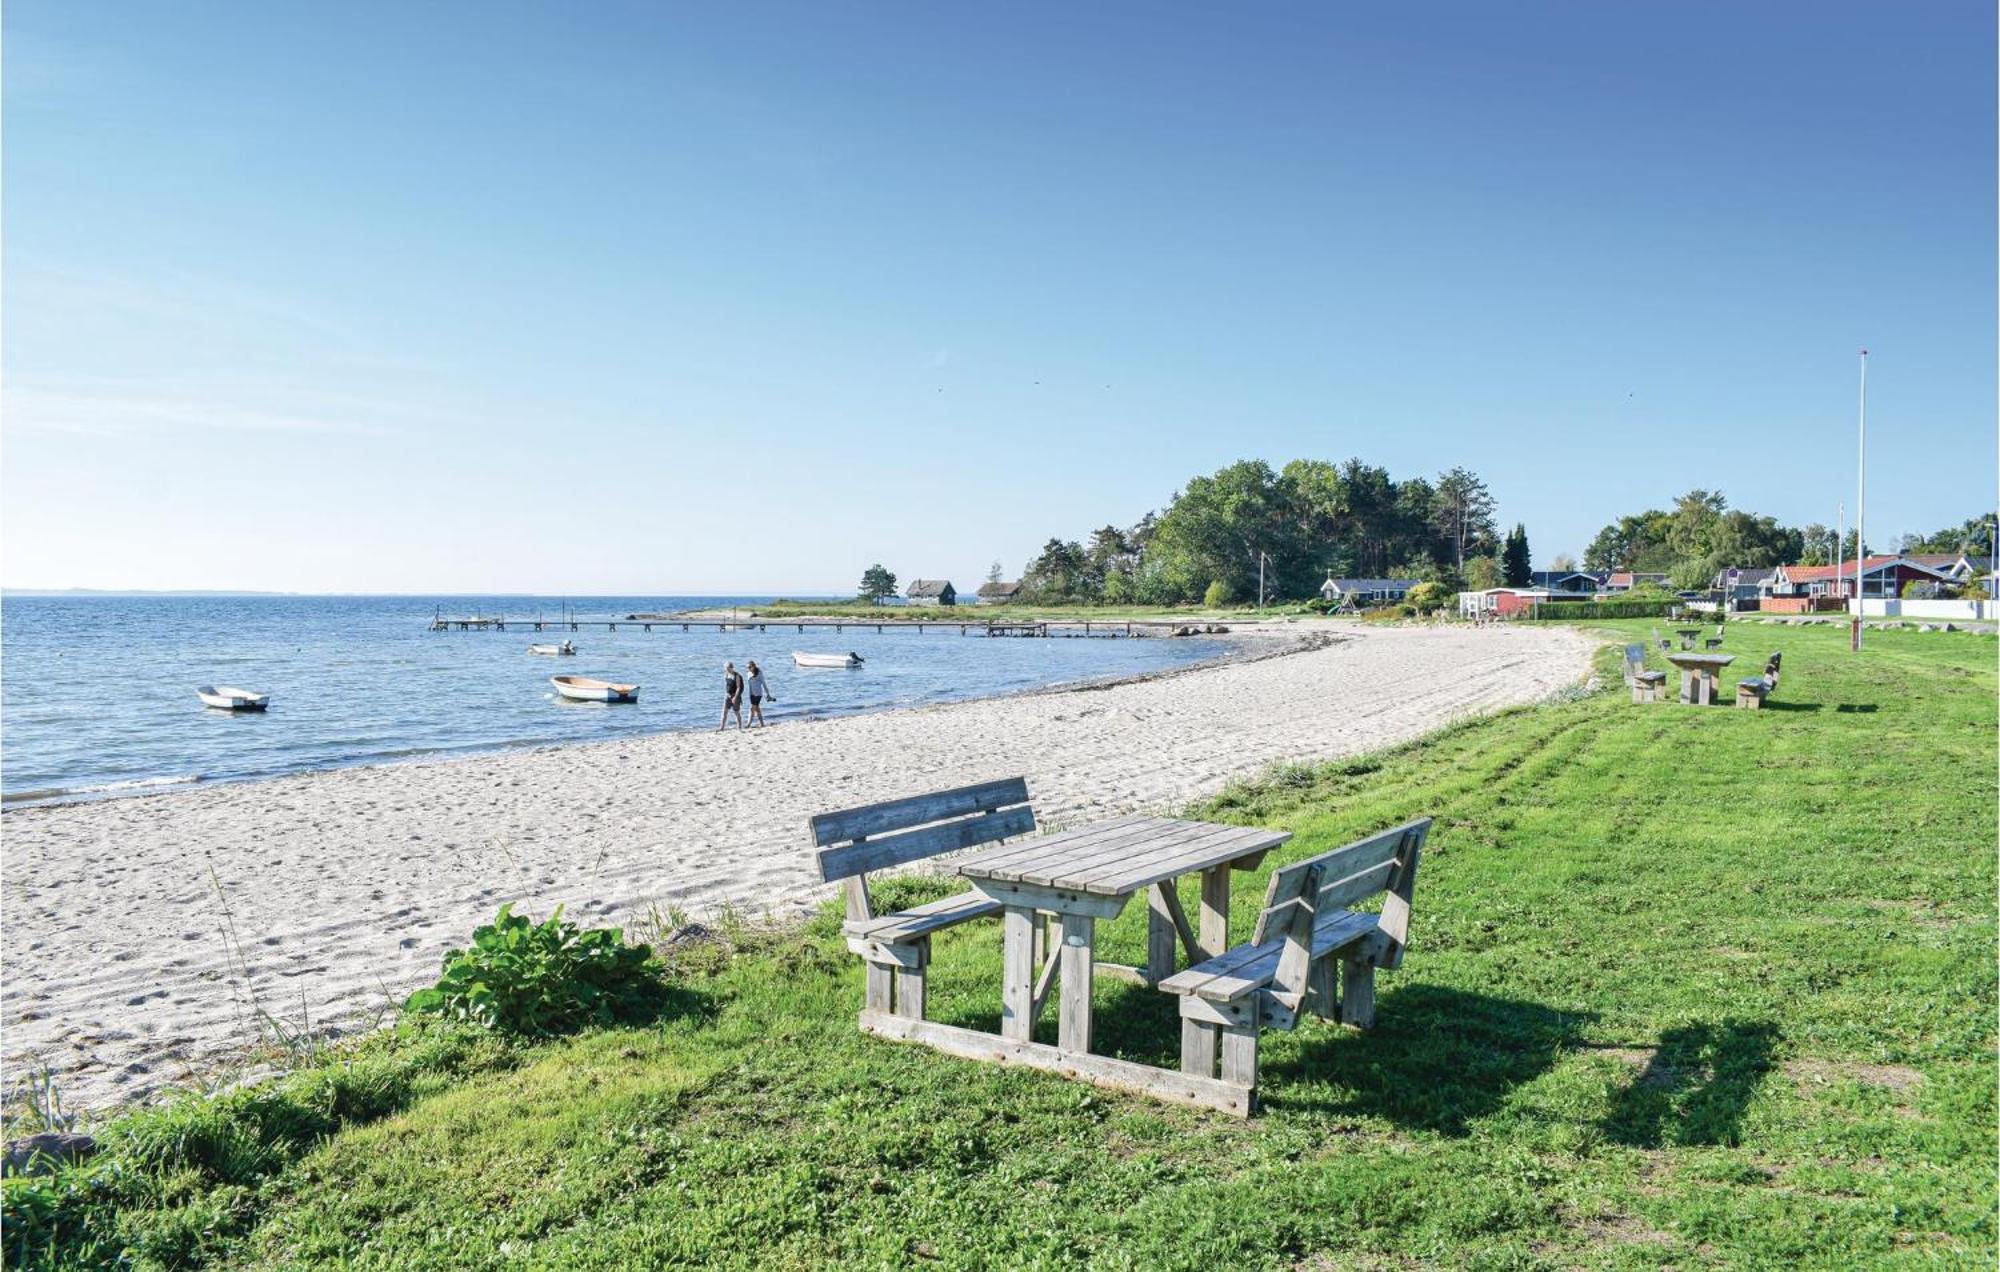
[523,977]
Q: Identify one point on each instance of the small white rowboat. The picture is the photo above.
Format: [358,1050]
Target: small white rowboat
[826,660]
[564,648]
[584,689]
[224,698]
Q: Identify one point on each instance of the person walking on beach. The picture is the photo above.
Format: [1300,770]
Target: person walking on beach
[758,692]
[732,697]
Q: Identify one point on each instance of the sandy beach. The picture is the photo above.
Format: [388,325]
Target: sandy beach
[142,934]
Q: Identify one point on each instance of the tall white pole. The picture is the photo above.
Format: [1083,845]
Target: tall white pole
[1861,502]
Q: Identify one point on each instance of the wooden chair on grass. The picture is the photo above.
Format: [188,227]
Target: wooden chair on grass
[1287,969]
[1646,686]
[1750,694]
[851,842]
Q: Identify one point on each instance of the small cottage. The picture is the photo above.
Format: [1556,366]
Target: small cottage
[932,592]
[998,593]
[1361,593]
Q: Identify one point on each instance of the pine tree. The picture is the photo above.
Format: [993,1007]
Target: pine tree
[1514,559]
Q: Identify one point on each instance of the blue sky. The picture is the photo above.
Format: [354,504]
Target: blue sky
[647,297]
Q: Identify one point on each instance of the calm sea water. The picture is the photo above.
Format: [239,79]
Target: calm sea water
[99,691]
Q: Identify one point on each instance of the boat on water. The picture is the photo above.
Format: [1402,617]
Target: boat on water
[585,689]
[567,647]
[228,698]
[826,660]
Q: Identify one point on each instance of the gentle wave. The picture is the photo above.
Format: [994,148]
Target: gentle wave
[104,788]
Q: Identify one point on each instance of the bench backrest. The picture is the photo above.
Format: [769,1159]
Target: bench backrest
[1302,891]
[852,841]
[1771,669]
[1635,661]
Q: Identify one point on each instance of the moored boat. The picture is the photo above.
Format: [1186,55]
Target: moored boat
[826,660]
[586,689]
[566,647]
[227,698]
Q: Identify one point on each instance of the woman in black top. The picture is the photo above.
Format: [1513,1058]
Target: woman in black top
[732,697]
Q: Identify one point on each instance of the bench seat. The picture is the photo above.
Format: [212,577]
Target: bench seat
[1650,677]
[1249,968]
[922,920]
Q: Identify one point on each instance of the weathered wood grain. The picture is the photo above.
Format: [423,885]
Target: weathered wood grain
[901,814]
[1101,1071]
[1017,976]
[887,851]
[1079,936]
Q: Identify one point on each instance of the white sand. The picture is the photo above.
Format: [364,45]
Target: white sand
[344,888]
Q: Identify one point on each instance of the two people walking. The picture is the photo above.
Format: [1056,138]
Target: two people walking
[734,686]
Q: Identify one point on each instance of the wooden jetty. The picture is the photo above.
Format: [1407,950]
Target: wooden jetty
[1094,628]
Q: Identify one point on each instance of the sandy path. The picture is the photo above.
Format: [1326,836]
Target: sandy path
[343,888]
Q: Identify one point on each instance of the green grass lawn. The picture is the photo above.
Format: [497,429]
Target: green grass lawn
[1685,987]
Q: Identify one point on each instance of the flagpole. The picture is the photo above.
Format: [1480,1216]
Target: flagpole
[1861,503]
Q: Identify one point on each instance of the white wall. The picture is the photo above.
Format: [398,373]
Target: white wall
[1875,608]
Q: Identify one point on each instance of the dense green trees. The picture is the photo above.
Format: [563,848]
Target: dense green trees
[1973,537]
[1307,519]
[1694,541]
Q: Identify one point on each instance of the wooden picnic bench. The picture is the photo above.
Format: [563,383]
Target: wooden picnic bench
[849,843]
[1646,685]
[1715,641]
[1287,968]
[1750,694]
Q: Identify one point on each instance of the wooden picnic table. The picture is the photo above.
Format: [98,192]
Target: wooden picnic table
[1687,635]
[1083,875]
[1698,673]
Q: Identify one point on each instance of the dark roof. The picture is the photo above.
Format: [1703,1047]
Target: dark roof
[931,587]
[1544,578]
[1746,577]
[999,589]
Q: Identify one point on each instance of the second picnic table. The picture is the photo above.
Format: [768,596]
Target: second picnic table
[1083,875]
[1687,635]
[1698,672]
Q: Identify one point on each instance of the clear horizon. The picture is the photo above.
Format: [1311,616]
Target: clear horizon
[443,300]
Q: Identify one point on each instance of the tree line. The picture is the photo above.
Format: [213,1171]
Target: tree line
[1700,536]
[1296,524]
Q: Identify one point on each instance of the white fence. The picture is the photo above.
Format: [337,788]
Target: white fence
[1894,608]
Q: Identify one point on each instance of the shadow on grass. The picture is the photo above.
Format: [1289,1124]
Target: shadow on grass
[1771,704]
[1695,1086]
[1856,708]
[1437,1060]
[666,1003]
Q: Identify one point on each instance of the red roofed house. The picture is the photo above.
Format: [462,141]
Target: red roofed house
[1880,576]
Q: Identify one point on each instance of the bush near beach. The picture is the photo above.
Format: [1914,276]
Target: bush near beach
[1686,987]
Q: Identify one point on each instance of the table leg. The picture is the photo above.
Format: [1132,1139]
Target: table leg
[1162,937]
[1687,686]
[1079,958]
[1214,911]
[1017,986]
